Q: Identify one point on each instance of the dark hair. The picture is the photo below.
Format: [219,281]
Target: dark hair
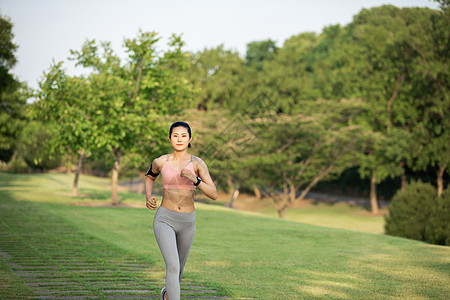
[181,124]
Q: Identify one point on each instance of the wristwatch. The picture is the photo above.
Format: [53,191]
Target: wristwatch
[198,181]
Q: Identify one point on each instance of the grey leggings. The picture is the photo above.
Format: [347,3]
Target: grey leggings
[174,232]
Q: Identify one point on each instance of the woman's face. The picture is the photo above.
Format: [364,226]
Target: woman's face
[180,138]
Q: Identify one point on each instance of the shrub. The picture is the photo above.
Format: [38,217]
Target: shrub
[437,229]
[409,210]
[34,147]
[15,165]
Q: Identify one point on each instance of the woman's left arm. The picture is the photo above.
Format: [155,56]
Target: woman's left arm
[207,185]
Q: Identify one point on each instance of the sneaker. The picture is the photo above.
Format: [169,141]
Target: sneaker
[163,293]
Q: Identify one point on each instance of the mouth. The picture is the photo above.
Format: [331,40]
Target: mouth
[179,144]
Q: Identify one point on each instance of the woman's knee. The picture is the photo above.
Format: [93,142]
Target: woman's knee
[173,269]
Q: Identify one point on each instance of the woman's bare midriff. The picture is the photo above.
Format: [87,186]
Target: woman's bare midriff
[178,200]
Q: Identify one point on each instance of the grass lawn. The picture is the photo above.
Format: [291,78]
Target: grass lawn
[309,211]
[240,254]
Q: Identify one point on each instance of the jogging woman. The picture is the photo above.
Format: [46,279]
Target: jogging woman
[174,221]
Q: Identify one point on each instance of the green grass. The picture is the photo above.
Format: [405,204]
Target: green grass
[336,215]
[241,254]
[12,287]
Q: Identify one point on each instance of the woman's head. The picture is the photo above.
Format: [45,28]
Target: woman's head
[180,134]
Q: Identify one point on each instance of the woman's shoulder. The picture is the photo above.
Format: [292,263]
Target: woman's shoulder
[197,161]
[159,161]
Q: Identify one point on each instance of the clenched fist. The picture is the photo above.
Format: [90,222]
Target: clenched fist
[188,174]
[151,203]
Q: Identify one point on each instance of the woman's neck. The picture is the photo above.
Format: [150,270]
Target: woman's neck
[179,155]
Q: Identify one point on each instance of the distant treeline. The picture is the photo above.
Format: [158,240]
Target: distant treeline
[366,103]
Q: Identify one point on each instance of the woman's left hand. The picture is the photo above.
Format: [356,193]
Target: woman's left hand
[188,174]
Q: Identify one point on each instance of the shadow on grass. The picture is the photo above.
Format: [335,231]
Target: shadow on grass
[331,200]
[16,180]
[93,194]
[204,200]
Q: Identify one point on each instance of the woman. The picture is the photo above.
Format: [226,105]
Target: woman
[174,221]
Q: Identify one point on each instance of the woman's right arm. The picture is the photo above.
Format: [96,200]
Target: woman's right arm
[149,182]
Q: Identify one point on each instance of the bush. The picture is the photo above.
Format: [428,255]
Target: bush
[410,209]
[34,147]
[437,229]
[15,165]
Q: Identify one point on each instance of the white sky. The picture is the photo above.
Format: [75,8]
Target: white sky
[47,29]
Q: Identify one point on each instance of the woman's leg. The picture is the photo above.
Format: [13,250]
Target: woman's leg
[185,237]
[167,242]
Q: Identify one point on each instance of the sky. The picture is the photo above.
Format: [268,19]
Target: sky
[46,30]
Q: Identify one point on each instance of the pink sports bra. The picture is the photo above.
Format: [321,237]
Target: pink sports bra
[172,179]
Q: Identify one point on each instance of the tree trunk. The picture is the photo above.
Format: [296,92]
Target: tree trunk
[373,195]
[282,211]
[394,95]
[440,180]
[292,192]
[233,197]
[115,177]
[257,192]
[230,182]
[314,182]
[69,163]
[284,201]
[77,173]
[403,176]
[141,186]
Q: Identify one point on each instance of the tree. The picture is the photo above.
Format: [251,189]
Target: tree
[296,152]
[13,94]
[292,74]
[260,51]
[431,57]
[381,58]
[216,74]
[34,147]
[381,158]
[62,106]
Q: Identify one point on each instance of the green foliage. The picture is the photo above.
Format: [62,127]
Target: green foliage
[260,52]
[63,107]
[7,58]
[124,101]
[410,209]
[33,147]
[12,94]
[216,75]
[16,165]
[437,229]
[32,152]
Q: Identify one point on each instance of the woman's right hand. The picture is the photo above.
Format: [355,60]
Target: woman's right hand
[151,203]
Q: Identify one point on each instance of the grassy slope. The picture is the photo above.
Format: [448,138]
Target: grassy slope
[336,215]
[250,255]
